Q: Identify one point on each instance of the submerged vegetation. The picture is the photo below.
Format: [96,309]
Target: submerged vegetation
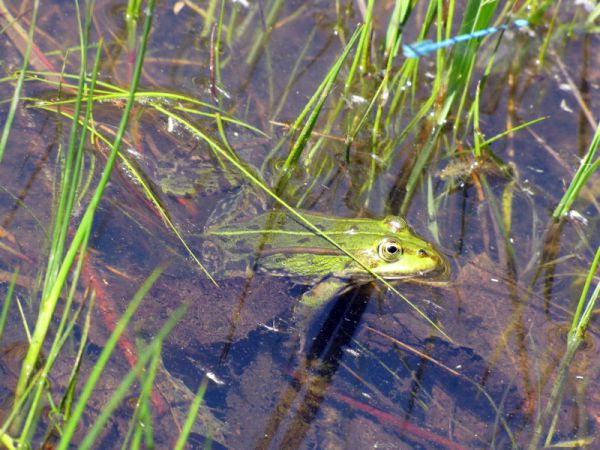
[164,120]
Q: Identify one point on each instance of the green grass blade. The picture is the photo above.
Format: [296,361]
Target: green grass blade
[73,164]
[577,319]
[487,142]
[20,78]
[191,417]
[69,173]
[111,344]
[576,337]
[7,302]
[120,393]
[48,304]
[66,403]
[262,35]
[586,169]
[323,93]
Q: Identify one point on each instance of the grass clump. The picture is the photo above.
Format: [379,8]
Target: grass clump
[65,261]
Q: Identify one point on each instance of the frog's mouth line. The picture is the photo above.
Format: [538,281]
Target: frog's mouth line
[365,277]
[440,272]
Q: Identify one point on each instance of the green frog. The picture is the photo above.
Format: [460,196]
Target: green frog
[190,179]
[278,244]
[240,238]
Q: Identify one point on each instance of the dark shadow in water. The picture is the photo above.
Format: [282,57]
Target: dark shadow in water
[300,402]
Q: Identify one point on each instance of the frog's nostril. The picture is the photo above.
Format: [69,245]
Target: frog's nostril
[422,252]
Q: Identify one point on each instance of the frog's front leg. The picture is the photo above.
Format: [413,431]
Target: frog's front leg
[323,291]
[312,303]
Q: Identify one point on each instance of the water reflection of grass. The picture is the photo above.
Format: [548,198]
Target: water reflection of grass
[371,93]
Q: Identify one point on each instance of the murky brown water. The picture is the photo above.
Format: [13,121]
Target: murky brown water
[377,374]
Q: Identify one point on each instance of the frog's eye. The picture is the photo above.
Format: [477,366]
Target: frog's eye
[390,250]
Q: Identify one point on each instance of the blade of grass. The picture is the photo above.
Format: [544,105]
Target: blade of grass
[478,16]
[140,425]
[124,386]
[88,388]
[16,411]
[585,170]
[60,231]
[487,142]
[215,65]
[66,403]
[319,99]
[48,304]
[294,74]
[576,337]
[191,417]
[61,336]
[19,86]
[7,302]
[262,34]
[70,172]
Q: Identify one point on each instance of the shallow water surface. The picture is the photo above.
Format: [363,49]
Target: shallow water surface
[367,369]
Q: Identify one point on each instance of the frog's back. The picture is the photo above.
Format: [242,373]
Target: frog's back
[280,245]
[279,229]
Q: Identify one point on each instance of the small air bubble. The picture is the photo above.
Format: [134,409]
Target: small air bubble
[351,230]
[565,107]
[359,100]
[212,376]
[577,217]
[352,352]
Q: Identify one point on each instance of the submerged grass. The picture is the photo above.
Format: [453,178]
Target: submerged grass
[74,419]
[21,76]
[587,168]
[547,419]
[379,109]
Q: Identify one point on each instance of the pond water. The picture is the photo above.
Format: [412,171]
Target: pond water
[474,367]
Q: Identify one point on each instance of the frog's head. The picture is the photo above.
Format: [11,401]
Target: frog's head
[398,253]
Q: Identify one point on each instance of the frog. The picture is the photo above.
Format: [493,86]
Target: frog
[278,244]
[184,179]
[185,170]
[242,236]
